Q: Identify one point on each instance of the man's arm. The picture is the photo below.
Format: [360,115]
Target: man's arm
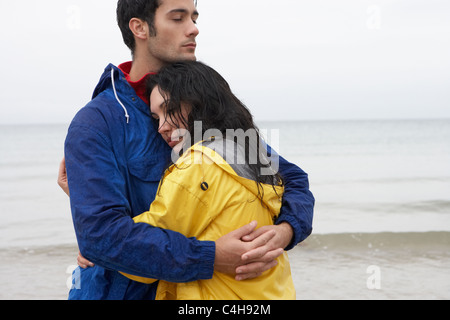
[107,235]
[298,202]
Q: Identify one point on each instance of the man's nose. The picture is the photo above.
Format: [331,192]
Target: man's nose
[193,30]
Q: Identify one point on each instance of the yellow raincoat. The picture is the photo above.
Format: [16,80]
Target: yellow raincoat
[229,202]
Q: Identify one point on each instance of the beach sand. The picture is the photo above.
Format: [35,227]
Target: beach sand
[347,269]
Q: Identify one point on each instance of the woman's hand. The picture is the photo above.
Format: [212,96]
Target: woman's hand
[83,263]
[62,177]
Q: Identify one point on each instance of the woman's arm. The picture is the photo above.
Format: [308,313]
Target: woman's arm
[62,177]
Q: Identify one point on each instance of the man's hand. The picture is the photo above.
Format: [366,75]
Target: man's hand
[249,258]
[283,237]
[283,234]
[62,177]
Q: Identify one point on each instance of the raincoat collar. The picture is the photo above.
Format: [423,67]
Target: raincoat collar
[200,154]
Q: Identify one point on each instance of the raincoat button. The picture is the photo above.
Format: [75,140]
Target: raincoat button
[204,186]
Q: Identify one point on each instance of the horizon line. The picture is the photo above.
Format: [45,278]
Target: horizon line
[60,123]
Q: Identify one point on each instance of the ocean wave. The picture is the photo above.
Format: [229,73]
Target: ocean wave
[382,240]
[382,180]
[436,206]
[439,240]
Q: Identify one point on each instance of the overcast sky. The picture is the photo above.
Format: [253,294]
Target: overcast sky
[286,59]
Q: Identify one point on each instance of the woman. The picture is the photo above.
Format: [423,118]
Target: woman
[218,183]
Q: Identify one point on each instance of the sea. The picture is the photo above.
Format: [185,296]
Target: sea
[381,223]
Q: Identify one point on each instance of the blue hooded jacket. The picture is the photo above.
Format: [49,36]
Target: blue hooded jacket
[115,159]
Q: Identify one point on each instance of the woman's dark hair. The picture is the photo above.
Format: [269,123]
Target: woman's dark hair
[141,9]
[212,102]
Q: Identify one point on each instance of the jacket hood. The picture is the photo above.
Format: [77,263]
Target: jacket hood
[112,79]
[105,81]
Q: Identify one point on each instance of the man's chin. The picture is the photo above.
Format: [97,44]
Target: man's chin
[186,57]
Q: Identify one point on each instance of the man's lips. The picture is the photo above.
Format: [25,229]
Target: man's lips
[190,45]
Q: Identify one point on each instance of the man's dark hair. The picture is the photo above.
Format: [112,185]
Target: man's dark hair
[141,9]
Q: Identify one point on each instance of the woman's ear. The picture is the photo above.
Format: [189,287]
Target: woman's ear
[139,28]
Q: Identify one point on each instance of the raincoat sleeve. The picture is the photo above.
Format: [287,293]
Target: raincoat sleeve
[105,231]
[298,201]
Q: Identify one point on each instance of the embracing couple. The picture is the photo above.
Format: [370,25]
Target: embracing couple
[215,221]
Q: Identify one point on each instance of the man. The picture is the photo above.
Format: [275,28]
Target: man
[115,159]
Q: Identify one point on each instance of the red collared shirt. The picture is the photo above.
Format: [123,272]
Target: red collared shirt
[139,86]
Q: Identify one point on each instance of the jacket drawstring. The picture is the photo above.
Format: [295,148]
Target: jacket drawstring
[117,97]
